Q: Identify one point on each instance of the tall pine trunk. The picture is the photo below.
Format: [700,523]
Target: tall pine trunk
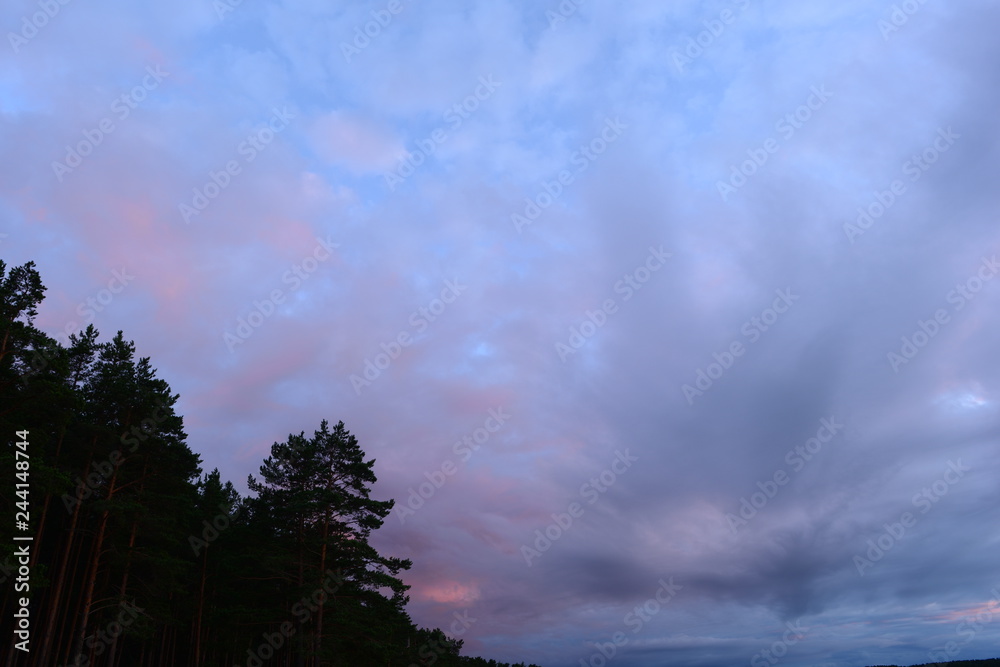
[201,607]
[124,587]
[57,589]
[322,574]
[88,596]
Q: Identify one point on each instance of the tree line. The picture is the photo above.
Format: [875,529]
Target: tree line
[136,557]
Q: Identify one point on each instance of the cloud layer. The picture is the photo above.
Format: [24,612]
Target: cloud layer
[669,320]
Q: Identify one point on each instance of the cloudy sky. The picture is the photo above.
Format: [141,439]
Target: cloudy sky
[668,323]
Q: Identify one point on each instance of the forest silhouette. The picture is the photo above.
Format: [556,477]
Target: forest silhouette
[133,556]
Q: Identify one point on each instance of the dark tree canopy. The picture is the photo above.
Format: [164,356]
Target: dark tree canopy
[141,559]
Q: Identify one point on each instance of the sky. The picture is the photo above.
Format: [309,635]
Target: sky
[667,323]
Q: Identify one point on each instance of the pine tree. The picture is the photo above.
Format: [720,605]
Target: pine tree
[320,489]
[137,560]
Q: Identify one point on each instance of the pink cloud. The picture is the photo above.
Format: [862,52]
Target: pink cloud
[445,592]
[355,142]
